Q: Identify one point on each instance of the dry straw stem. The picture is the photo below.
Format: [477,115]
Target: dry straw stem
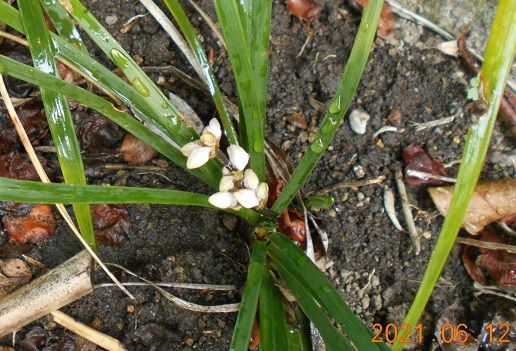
[58,287]
[44,178]
[98,338]
[409,219]
[487,244]
[490,202]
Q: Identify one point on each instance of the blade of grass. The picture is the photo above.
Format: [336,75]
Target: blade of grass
[245,319]
[63,24]
[499,56]
[332,338]
[50,193]
[21,71]
[320,289]
[168,114]
[260,20]
[56,107]
[191,37]
[273,326]
[230,18]
[339,105]
[298,336]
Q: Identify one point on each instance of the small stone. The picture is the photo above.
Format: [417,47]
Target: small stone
[359,171]
[230,222]
[360,196]
[456,139]
[189,342]
[366,300]
[111,19]
[161,80]
[130,308]
[358,121]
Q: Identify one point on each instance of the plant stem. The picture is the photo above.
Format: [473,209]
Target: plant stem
[499,56]
[339,105]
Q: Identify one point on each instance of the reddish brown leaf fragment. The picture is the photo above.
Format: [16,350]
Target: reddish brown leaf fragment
[417,159]
[97,133]
[135,151]
[292,224]
[254,342]
[111,224]
[16,166]
[32,228]
[304,9]
[387,21]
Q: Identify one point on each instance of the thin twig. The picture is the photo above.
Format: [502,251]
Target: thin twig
[352,184]
[435,123]
[96,337]
[304,46]
[190,286]
[427,176]
[227,308]
[491,290]
[388,203]
[175,35]
[486,244]
[44,178]
[408,212]
[209,22]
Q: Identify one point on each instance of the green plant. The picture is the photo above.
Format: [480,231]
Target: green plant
[242,190]
[498,59]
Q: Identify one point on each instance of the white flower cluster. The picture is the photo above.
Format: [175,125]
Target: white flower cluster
[238,187]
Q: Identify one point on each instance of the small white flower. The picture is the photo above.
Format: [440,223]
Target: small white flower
[250,179]
[198,157]
[200,151]
[227,183]
[247,198]
[238,157]
[213,128]
[223,199]
[262,191]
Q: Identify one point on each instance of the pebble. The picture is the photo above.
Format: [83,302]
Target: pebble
[359,171]
[111,19]
[358,121]
[298,119]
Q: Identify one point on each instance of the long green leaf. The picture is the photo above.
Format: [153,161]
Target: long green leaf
[237,42]
[339,105]
[64,24]
[498,59]
[245,319]
[273,325]
[36,192]
[320,289]
[298,335]
[169,116]
[56,107]
[191,37]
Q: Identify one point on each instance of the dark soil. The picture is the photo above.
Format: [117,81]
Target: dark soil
[192,245]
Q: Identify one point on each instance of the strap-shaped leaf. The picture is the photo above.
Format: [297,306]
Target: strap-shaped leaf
[247,312]
[56,107]
[168,114]
[273,325]
[302,271]
[50,193]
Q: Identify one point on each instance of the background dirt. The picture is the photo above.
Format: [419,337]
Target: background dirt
[193,245]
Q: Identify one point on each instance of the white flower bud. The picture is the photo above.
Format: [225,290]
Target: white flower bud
[262,191]
[250,179]
[238,157]
[198,157]
[247,198]
[226,171]
[188,148]
[223,199]
[226,183]
[213,128]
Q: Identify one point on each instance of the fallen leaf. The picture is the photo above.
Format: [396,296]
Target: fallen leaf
[491,201]
[135,151]
[17,166]
[292,224]
[417,159]
[34,340]
[111,224]
[497,265]
[304,9]
[254,342]
[34,227]
[13,273]
[387,22]
[97,132]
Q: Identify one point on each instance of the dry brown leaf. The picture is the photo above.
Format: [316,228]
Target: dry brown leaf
[491,201]
[307,10]
[135,151]
[32,228]
[13,273]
